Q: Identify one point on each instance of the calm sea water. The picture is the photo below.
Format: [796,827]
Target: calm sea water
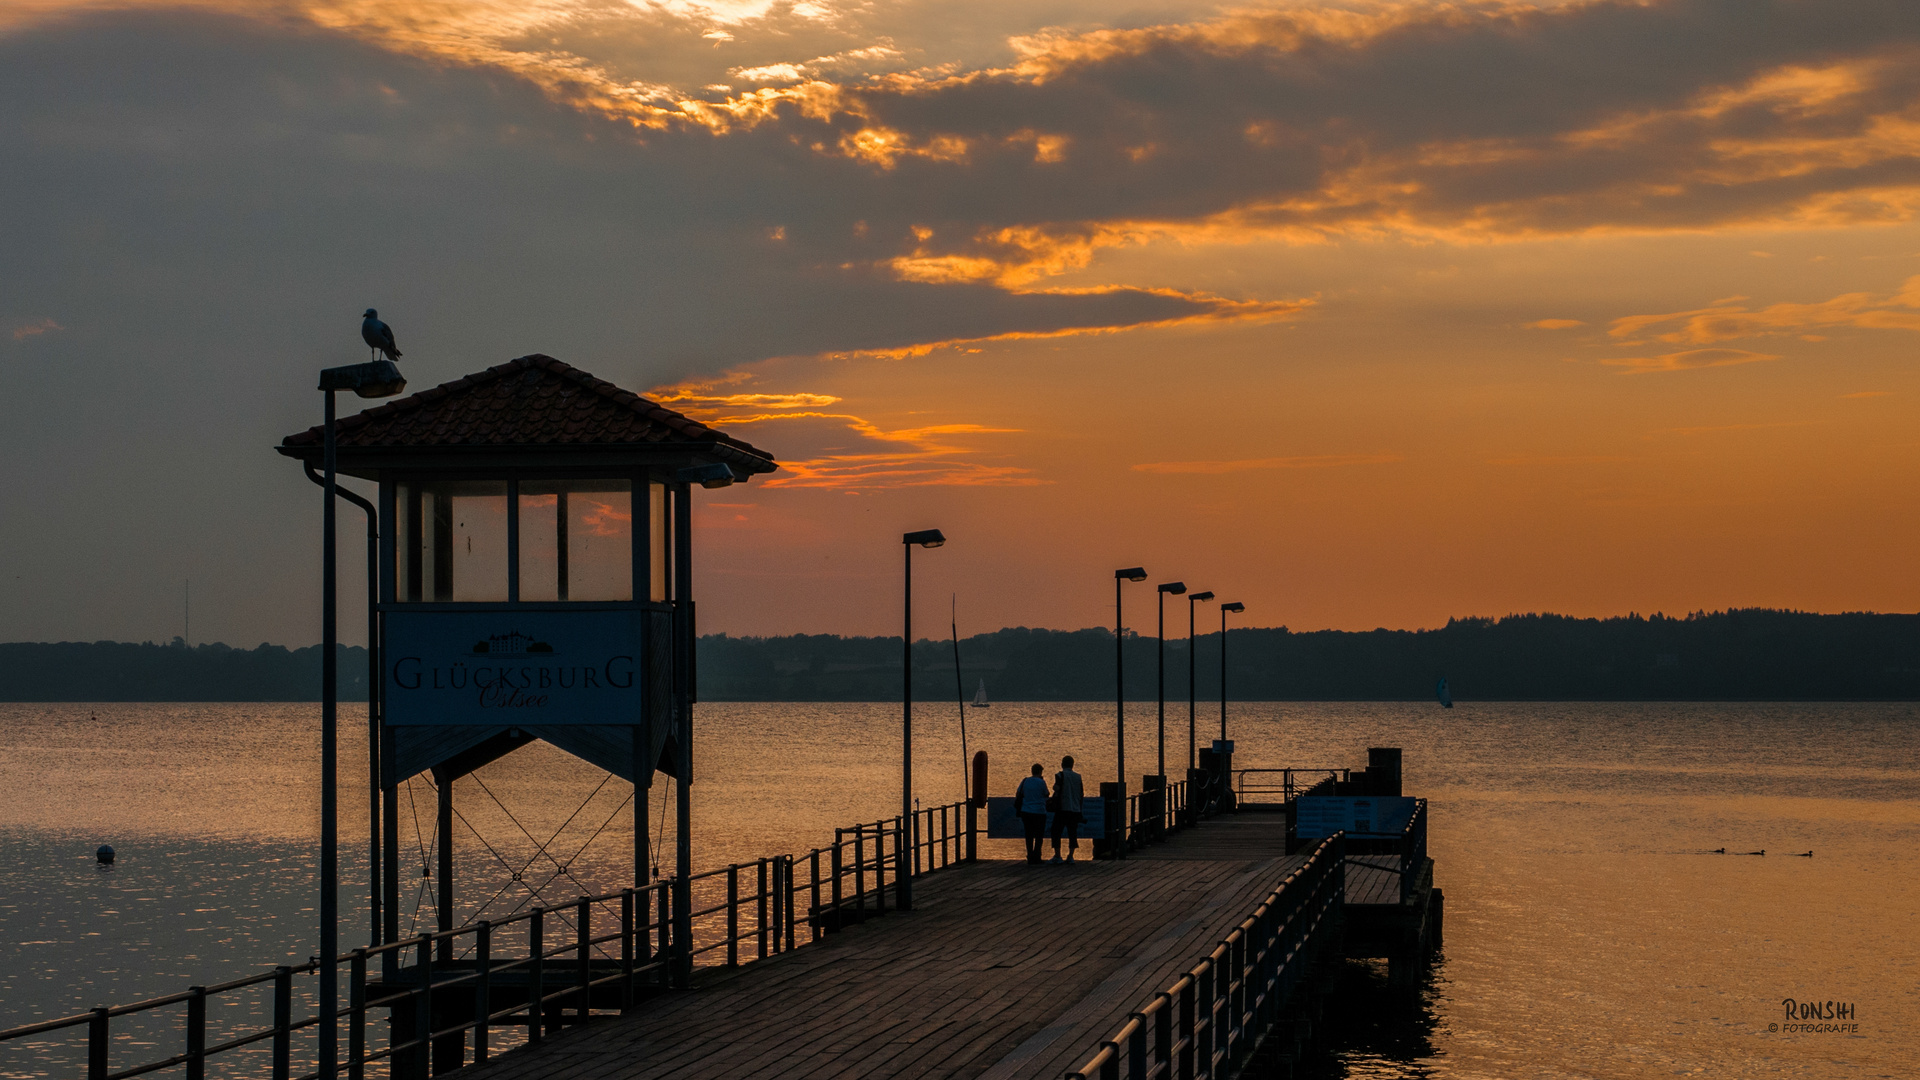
[1589,931]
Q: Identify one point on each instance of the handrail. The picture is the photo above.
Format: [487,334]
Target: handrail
[550,980]
[1290,783]
[1210,1019]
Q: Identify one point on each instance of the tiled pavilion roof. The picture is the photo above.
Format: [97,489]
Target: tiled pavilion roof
[533,401]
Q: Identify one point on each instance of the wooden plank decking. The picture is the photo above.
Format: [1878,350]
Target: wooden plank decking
[1004,970]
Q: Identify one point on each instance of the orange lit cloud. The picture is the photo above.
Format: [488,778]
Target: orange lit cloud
[842,450]
[1554,324]
[1205,310]
[1687,360]
[1671,115]
[1727,321]
[1321,461]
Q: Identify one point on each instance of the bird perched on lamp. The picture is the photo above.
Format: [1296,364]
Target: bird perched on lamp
[378,335]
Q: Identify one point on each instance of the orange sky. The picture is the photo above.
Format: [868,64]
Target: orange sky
[1365,314]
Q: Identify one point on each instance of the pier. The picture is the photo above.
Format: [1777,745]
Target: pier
[1200,946]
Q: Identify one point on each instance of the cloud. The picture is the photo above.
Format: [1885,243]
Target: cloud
[843,450]
[1724,321]
[1717,428]
[35,328]
[1554,324]
[1687,360]
[1573,459]
[1321,461]
[1463,122]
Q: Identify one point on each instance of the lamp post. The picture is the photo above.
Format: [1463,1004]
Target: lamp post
[1132,573]
[1192,667]
[1175,588]
[373,380]
[926,538]
[1236,607]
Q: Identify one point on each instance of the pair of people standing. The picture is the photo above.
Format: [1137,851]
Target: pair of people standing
[1035,803]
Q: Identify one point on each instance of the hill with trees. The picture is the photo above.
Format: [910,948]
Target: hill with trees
[1751,654]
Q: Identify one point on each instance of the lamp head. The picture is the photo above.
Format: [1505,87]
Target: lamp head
[714,474]
[1177,588]
[926,538]
[1134,573]
[1235,607]
[378,379]
[1199,596]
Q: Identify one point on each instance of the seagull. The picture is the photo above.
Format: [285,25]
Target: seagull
[378,335]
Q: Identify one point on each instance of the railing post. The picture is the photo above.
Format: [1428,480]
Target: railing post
[760,906]
[1189,1010]
[356,1015]
[860,869]
[786,910]
[536,973]
[482,988]
[1137,1046]
[423,1009]
[1237,995]
[914,844]
[1163,1034]
[733,914]
[973,833]
[880,866]
[97,1044]
[197,1031]
[1205,1029]
[282,1022]
[902,862]
[583,954]
[629,944]
[813,901]
[665,897]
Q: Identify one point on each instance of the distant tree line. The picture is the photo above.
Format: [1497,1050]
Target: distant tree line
[125,671]
[1751,654]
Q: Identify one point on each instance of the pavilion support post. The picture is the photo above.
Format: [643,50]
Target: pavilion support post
[683,631]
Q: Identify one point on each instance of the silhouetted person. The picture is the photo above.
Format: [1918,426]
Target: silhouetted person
[1066,808]
[1031,800]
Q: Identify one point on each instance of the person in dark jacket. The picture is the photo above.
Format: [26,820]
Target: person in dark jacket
[1030,798]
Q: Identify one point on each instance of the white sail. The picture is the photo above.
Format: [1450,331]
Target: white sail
[980,695]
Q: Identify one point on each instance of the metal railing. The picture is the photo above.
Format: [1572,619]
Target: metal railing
[1405,852]
[1289,784]
[1155,812]
[1212,1017]
[449,992]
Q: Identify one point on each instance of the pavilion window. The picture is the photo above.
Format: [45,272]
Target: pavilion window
[657,545]
[576,540]
[452,541]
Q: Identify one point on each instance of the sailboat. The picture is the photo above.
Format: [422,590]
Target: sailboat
[1445,695]
[980,696]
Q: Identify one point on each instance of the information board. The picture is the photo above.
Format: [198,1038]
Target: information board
[513,667]
[1316,817]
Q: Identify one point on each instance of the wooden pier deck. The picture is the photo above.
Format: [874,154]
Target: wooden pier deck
[1004,970]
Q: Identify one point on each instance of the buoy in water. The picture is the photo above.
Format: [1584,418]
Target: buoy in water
[104,854]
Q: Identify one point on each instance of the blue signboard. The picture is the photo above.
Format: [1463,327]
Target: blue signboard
[1003,821]
[513,667]
[1318,816]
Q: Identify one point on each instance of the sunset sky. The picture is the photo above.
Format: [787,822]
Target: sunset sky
[1364,314]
